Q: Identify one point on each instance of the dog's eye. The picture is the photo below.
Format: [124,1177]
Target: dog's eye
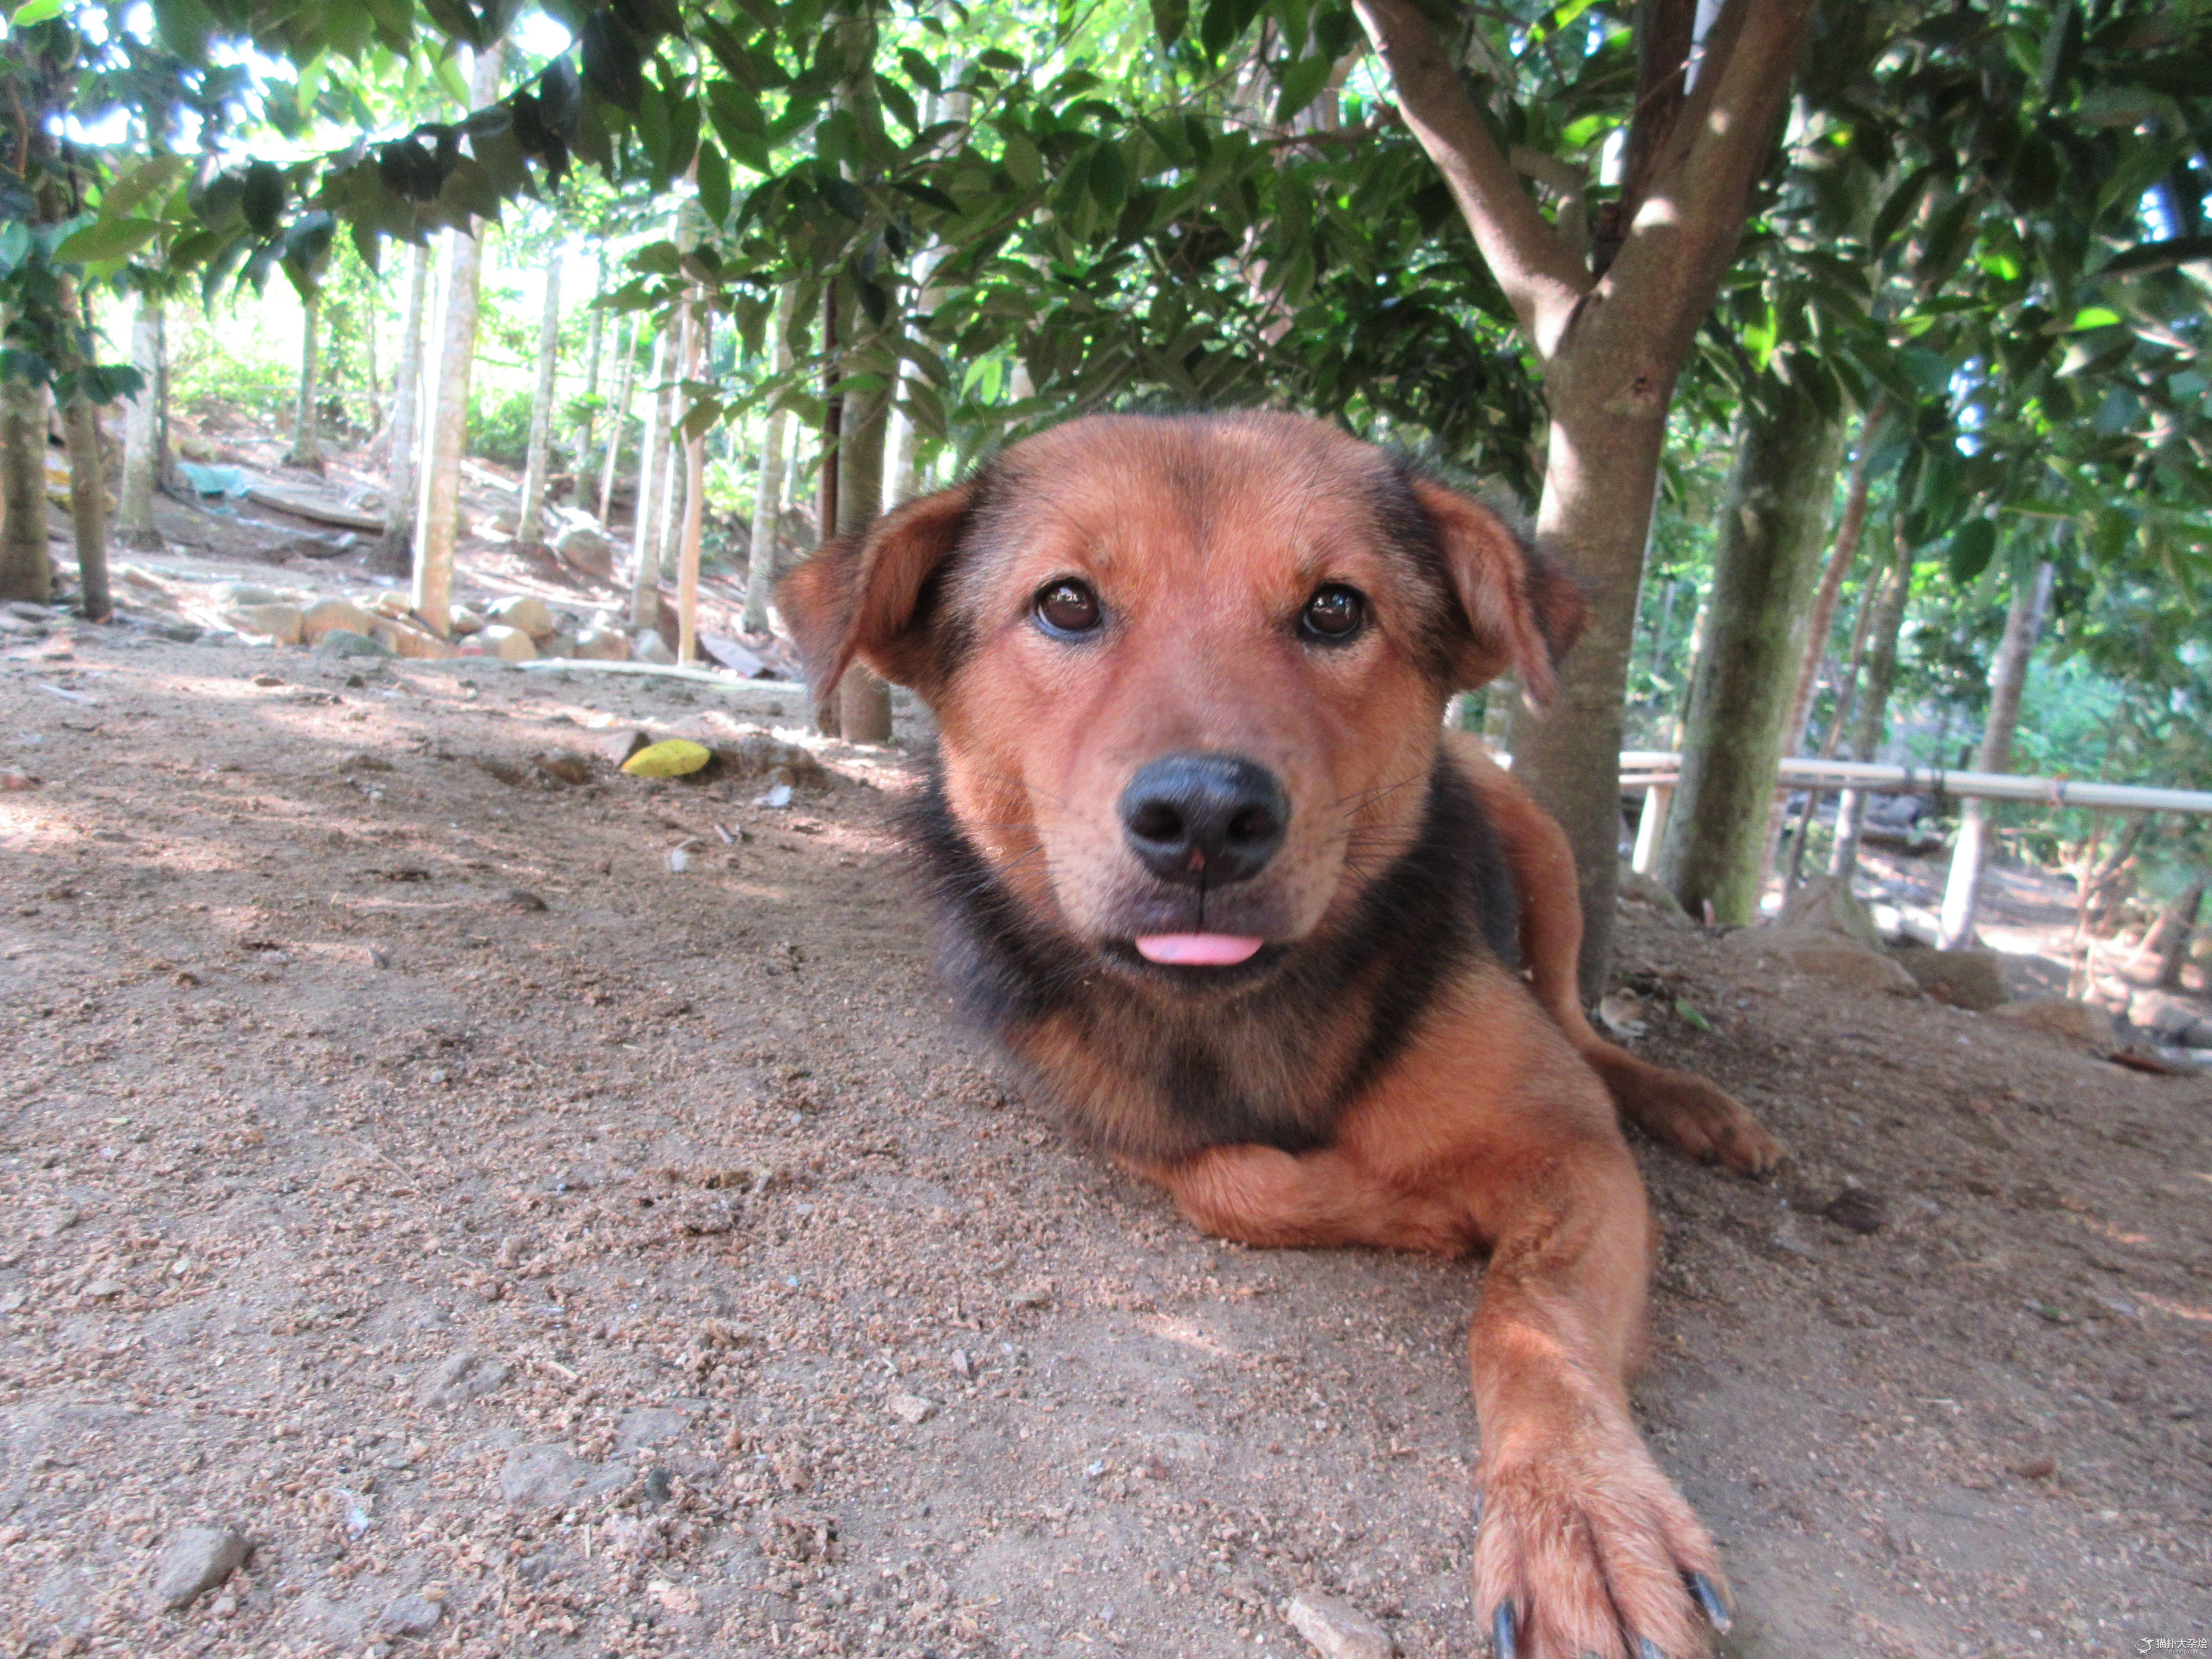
[1335,613]
[1068,606]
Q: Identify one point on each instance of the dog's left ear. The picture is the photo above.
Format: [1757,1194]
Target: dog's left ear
[860,595]
[1524,610]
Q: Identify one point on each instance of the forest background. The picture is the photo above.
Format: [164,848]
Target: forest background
[1853,353]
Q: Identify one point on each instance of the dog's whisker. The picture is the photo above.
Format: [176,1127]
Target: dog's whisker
[1361,800]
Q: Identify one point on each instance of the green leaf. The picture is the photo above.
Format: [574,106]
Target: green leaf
[35,11]
[1972,546]
[156,175]
[714,183]
[2158,256]
[262,200]
[900,102]
[107,238]
[1687,1010]
[919,70]
[1169,19]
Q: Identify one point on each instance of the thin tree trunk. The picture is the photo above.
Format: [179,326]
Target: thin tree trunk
[2168,943]
[87,477]
[677,487]
[762,560]
[864,701]
[668,479]
[167,479]
[2008,679]
[625,377]
[1871,711]
[1847,691]
[1770,534]
[371,316]
[437,530]
[695,495]
[1822,620]
[645,571]
[307,439]
[593,338]
[2096,874]
[403,434]
[142,433]
[529,526]
[27,571]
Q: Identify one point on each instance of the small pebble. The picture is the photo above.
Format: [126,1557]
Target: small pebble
[197,1559]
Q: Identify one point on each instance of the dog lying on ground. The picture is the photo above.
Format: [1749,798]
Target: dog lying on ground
[1211,870]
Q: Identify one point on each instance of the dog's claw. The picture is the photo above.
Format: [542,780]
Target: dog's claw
[1501,1630]
[1708,1598]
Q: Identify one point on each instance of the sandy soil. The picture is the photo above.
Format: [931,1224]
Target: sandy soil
[532,1248]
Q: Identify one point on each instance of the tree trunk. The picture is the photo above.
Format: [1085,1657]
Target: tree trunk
[625,377]
[142,433]
[2008,679]
[403,434]
[667,466]
[437,530]
[27,571]
[762,567]
[1871,711]
[529,526]
[2167,944]
[1847,691]
[1768,546]
[168,479]
[306,438]
[645,570]
[694,494]
[864,701]
[1612,335]
[594,337]
[87,479]
[1822,620]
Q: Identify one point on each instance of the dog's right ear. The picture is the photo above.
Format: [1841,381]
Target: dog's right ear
[860,595]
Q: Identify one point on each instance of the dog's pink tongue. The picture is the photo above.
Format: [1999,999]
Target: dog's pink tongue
[1198,950]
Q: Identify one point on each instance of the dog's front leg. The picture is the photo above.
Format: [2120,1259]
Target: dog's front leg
[1584,1547]
[1261,1196]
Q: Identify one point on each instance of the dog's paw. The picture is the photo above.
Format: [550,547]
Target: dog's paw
[1584,1549]
[1687,1112]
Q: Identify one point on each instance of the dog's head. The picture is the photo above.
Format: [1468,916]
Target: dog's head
[1189,673]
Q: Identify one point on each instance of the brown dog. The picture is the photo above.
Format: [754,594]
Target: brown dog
[1212,870]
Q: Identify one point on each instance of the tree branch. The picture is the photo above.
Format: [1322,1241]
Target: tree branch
[1685,231]
[1542,280]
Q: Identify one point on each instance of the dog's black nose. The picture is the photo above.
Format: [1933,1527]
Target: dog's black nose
[1205,818]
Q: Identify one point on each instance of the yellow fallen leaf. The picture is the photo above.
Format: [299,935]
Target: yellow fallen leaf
[672,759]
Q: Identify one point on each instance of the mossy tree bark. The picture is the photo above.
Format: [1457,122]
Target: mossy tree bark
[27,571]
[88,481]
[1772,525]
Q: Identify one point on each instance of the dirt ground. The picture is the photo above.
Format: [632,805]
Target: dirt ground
[531,1247]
